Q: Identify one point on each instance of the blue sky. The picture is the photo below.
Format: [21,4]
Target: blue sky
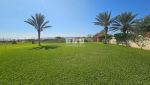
[68,17]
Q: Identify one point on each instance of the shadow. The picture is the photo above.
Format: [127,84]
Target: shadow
[47,47]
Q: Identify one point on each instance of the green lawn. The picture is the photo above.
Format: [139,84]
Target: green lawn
[61,64]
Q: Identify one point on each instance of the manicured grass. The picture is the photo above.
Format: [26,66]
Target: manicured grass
[61,64]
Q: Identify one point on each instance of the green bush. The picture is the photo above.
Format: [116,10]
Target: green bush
[14,42]
[123,38]
[33,42]
[108,38]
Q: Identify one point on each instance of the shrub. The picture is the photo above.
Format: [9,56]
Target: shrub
[14,42]
[33,42]
[103,38]
[122,38]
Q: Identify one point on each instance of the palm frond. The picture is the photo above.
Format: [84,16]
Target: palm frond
[43,24]
[47,26]
[38,22]
[124,21]
[104,19]
[31,22]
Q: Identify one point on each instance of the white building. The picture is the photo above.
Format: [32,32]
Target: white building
[75,40]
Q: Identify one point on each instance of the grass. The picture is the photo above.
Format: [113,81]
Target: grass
[61,64]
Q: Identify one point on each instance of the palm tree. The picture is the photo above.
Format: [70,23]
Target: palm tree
[146,23]
[39,23]
[124,22]
[104,19]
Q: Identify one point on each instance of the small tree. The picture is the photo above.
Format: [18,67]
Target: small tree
[141,41]
[39,23]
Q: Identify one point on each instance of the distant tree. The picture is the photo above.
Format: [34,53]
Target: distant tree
[104,19]
[39,23]
[124,22]
[14,42]
[89,38]
[58,37]
[33,41]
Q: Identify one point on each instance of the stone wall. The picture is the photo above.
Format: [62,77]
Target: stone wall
[133,44]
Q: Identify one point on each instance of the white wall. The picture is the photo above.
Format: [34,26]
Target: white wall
[133,44]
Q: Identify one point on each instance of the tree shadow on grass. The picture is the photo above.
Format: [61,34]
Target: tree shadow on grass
[46,47]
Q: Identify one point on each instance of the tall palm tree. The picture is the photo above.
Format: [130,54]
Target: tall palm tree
[124,22]
[39,23]
[104,19]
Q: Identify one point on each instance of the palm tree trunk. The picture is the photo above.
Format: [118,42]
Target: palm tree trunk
[39,39]
[106,30]
[125,38]
[128,44]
